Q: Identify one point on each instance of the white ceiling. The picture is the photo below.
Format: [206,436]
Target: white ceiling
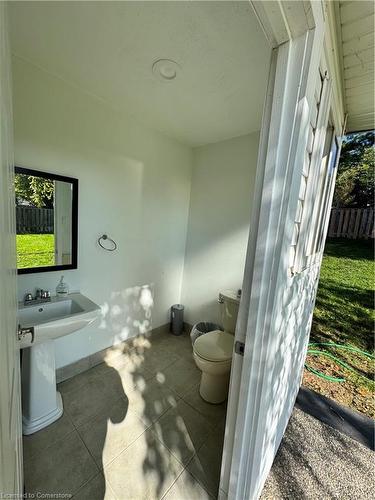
[108,48]
[356,27]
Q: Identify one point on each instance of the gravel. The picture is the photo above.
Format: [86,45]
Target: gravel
[317,462]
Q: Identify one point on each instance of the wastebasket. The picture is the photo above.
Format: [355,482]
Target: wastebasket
[177,319]
[201,328]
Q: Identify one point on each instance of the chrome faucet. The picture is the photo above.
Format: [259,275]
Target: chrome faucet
[40,296]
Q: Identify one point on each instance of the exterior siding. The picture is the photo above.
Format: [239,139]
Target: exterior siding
[306,171]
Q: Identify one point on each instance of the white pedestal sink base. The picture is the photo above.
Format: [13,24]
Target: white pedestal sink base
[29,427]
[41,403]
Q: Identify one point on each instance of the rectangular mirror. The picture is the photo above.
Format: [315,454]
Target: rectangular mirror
[46,221]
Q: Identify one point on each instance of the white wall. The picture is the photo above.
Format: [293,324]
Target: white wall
[134,184]
[220,203]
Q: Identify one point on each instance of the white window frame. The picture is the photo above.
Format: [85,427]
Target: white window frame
[322,210]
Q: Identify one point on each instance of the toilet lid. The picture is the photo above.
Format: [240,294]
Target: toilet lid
[214,346]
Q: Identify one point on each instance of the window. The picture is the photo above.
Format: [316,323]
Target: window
[323,201]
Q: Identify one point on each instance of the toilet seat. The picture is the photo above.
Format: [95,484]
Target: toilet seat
[216,346]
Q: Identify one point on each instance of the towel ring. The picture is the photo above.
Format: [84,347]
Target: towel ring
[104,237]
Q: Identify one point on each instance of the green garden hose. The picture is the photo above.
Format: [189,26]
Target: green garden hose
[317,352]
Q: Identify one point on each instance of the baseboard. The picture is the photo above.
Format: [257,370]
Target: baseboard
[84,364]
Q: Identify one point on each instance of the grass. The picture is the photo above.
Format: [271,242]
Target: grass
[344,314]
[35,250]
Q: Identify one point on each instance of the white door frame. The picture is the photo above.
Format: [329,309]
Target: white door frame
[11,476]
[296,30]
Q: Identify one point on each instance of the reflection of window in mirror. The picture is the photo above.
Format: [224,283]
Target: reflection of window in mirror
[46,221]
[63,222]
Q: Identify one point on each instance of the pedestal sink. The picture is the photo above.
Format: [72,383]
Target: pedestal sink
[41,324]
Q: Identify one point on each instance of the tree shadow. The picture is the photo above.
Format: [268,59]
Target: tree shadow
[350,249]
[343,314]
[154,373]
[134,424]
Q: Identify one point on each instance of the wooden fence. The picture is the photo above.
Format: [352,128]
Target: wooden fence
[354,223]
[31,220]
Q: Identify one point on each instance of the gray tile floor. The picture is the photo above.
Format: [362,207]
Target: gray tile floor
[133,427]
[136,428]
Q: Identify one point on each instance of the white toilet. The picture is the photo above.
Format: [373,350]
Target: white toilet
[213,351]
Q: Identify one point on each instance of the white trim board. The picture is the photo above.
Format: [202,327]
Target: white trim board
[11,471]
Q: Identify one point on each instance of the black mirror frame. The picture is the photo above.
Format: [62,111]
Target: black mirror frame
[74,182]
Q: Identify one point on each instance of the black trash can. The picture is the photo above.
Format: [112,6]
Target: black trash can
[177,319]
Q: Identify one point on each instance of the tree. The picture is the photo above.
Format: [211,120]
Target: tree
[355,178]
[353,148]
[37,191]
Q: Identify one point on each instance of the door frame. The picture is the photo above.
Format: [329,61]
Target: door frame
[11,466]
[296,31]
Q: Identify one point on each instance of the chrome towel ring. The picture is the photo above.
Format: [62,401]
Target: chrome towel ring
[105,237]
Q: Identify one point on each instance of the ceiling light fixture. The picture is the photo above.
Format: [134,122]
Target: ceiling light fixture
[166,70]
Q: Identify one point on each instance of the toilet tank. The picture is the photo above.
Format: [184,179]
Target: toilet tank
[229,301]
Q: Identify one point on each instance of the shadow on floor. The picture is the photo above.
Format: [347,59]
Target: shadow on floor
[133,427]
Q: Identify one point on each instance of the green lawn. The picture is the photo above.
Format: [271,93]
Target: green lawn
[344,314]
[35,250]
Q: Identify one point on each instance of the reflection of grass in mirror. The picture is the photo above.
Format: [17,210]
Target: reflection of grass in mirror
[35,250]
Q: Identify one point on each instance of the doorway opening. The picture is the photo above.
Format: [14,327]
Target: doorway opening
[340,361]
